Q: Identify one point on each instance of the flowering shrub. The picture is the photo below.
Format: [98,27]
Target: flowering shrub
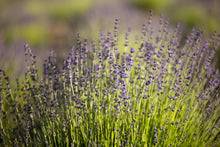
[151,91]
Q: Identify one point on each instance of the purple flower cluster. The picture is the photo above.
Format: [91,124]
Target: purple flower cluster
[155,90]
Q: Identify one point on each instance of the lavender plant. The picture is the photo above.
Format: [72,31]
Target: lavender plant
[154,90]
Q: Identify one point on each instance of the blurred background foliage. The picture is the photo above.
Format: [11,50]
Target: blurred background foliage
[46,24]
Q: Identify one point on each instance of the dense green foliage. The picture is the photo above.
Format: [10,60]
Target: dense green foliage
[148,91]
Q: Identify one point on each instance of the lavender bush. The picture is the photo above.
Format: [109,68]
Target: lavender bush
[155,90]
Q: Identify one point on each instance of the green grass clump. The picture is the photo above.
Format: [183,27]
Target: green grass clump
[152,4]
[197,16]
[149,91]
[36,34]
[65,11]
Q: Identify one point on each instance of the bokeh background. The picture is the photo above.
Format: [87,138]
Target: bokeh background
[46,24]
